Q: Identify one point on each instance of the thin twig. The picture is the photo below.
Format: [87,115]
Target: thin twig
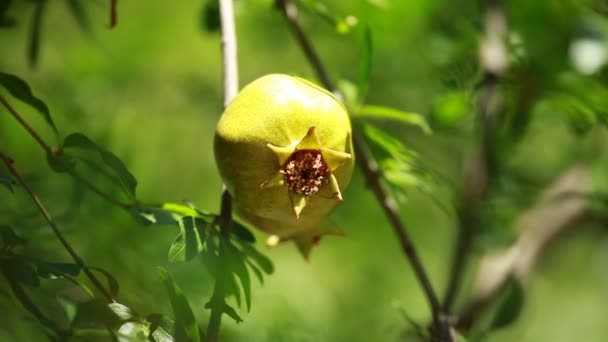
[27,127]
[538,226]
[482,166]
[77,259]
[55,156]
[441,329]
[231,88]
[290,11]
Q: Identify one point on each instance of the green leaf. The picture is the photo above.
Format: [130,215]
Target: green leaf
[451,108]
[80,14]
[126,179]
[210,16]
[21,270]
[21,90]
[7,181]
[69,307]
[242,232]
[82,286]
[10,239]
[158,321]
[186,328]
[379,112]
[390,145]
[49,270]
[237,265]
[133,332]
[122,311]
[342,25]
[153,216]
[365,67]
[27,302]
[112,282]
[256,271]
[35,31]
[189,242]
[228,310]
[258,258]
[161,335]
[511,305]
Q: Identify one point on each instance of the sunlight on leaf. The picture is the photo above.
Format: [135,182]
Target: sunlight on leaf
[122,311]
[189,242]
[386,113]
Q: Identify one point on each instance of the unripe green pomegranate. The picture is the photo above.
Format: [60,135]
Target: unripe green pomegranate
[284,150]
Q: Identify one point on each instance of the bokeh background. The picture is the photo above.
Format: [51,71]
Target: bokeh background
[149,90]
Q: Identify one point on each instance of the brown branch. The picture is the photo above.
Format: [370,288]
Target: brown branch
[441,329]
[481,167]
[45,213]
[231,88]
[290,12]
[537,227]
[27,127]
[53,154]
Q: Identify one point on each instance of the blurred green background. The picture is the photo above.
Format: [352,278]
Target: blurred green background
[150,91]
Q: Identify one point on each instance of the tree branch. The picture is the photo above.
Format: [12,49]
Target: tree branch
[481,167]
[441,329]
[231,88]
[27,127]
[77,259]
[53,154]
[538,226]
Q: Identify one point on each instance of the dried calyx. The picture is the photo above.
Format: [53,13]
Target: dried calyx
[306,169]
[305,172]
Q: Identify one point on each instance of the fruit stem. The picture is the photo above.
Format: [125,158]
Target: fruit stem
[231,88]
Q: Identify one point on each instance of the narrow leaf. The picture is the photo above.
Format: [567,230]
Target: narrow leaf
[511,305]
[112,282]
[57,270]
[127,180]
[228,310]
[210,16]
[7,181]
[186,328]
[237,265]
[189,242]
[242,232]
[132,332]
[21,90]
[256,270]
[35,31]
[80,14]
[9,238]
[379,112]
[258,258]
[22,271]
[27,302]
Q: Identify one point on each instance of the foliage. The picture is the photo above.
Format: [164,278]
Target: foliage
[422,104]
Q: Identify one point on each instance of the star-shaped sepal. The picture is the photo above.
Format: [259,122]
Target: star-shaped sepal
[306,169]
